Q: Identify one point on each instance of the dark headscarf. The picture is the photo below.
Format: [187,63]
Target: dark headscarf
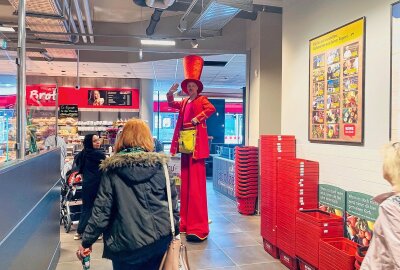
[88,142]
[87,149]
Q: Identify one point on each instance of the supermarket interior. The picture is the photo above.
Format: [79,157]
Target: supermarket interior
[296,136]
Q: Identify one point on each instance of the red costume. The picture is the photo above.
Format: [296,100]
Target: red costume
[194,213]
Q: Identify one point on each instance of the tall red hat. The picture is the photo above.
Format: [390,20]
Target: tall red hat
[192,67]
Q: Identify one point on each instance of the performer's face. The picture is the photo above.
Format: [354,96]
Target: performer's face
[192,89]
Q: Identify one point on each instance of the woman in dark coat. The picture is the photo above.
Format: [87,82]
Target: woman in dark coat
[88,161]
[131,208]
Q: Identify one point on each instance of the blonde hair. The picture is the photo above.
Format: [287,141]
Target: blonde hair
[391,164]
[136,133]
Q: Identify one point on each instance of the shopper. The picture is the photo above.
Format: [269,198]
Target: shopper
[384,251]
[193,112]
[88,162]
[131,207]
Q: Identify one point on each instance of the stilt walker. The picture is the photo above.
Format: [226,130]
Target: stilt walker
[191,140]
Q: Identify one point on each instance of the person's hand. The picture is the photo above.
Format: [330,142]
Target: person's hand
[195,122]
[173,88]
[83,252]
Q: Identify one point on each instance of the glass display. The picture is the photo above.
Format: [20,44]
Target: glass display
[233,128]
[8,98]
[41,119]
[165,126]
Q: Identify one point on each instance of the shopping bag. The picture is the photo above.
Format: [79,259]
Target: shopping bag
[175,258]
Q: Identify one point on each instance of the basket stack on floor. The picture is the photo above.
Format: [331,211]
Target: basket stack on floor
[359,256]
[337,254]
[311,227]
[297,190]
[273,148]
[246,179]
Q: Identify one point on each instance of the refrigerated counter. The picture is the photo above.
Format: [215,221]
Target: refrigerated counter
[29,211]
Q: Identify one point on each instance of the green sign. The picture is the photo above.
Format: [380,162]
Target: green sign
[362,205]
[3,44]
[332,196]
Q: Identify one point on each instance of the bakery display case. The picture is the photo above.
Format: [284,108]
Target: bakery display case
[40,125]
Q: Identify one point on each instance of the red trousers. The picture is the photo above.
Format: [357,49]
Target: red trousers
[194,213]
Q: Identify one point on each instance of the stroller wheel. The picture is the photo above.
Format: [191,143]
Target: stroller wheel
[67,223]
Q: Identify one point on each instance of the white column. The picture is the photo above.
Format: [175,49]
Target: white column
[146,101]
[264,41]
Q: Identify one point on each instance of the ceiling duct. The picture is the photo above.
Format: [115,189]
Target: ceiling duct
[214,16]
[57,16]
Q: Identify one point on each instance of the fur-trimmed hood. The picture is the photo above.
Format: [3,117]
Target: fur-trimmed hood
[149,159]
[136,166]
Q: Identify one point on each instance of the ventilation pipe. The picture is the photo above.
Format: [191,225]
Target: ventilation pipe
[155,18]
[80,20]
[86,7]
[159,6]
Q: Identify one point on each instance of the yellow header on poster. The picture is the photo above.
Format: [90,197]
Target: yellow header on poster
[338,37]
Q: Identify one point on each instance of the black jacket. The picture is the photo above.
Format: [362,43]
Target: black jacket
[88,161]
[131,208]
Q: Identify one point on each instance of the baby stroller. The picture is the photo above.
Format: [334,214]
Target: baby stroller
[71,196]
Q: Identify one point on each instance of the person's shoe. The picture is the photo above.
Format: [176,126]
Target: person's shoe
[194,238]
[77,236]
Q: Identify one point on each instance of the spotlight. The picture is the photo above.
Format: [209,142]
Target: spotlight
[158,42]
[194,43]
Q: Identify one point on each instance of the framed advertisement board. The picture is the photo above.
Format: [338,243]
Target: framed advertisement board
[336,85]
[395,74]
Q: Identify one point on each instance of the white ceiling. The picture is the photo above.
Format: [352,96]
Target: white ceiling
[164,72]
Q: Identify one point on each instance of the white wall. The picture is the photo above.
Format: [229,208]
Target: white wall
[356,168]
[264,38]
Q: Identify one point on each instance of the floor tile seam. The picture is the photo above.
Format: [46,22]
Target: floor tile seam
[226,254]
[249,264]
[222,248]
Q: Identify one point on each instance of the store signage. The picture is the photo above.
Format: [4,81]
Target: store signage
[350,130]
[332,199]
[336,88]
[361,213]
[41,95]
[97,97]
[68,111]
[100,98]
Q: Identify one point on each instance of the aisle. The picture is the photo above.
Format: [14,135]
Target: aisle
[234,243]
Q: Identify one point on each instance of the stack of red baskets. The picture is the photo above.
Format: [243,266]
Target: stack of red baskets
[311,226]
[273,148]
[337,254]
[246,179]
[297,190]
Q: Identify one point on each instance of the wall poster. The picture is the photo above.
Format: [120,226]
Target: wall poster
[336,85]
[395,74]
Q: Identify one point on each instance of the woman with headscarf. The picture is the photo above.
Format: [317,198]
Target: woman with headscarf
[88,162]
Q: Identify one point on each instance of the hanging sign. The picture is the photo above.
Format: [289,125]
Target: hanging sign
[68,111]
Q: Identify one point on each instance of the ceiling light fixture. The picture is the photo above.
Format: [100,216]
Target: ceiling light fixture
[194,43]
[141,54]
[158,42]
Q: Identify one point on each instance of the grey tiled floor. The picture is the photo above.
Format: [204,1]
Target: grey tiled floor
[234,243]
